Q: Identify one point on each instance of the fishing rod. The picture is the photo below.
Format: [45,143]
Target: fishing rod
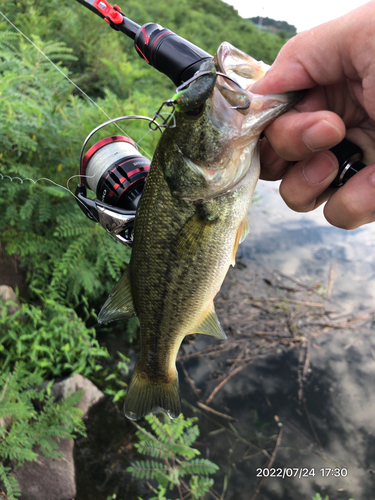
[118,179]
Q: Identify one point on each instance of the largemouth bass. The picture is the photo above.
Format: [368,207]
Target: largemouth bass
[190,220]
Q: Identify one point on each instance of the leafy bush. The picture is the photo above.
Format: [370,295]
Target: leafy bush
[22,427]
[39,138]
[171,443]
[52,340]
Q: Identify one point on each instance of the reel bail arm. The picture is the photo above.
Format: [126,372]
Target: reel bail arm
[118,222]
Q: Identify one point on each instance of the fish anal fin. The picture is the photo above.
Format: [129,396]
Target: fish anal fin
[146,395]
[210,325]
[242,232]
[119,304]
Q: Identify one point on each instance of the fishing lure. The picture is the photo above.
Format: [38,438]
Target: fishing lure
[195,91]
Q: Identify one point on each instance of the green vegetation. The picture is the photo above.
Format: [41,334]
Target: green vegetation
[22,428]
[52,341]
[72,264]
[171,443]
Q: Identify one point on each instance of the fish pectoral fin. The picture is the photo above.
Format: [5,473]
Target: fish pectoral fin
[119,304]
[210,325]
[242,232]
[189,239]
[244,229]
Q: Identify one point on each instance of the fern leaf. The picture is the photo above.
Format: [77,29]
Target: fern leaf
[162,431]
[28,208]
[44,207]
[11,486]
[191,435]
[147,469]
[55,191]
[154,449]
[184,451]
[200,466]
[161,492]
[199,486]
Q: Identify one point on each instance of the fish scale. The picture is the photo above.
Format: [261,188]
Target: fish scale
[190,220]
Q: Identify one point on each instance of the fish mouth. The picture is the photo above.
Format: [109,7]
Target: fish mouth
[241,72]
[228,156]
[239,66]
[233,112]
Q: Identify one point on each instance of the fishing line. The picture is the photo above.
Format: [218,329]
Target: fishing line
[66,76]
[22,180]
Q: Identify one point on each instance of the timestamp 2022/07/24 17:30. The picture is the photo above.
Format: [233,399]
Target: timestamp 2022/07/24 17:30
[301,472]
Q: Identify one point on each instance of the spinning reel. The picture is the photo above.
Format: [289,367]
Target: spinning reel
[116,172]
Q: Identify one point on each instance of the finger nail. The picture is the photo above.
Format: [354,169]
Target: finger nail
[319,168]
[372,178]
[322,135]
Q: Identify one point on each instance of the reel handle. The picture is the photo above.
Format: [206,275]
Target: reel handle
[349,156]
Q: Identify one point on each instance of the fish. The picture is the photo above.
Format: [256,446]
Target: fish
[191,218]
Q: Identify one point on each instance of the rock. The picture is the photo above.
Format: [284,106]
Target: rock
[54,478]
[76,383]
[7,293]
[11,272]
[49,478]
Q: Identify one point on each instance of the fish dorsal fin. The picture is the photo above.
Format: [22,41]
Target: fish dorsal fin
[210,325]
[119,304]
[242,232]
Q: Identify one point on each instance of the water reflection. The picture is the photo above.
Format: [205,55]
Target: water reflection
[305,245]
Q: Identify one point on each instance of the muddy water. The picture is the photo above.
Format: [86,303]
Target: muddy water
[324,440]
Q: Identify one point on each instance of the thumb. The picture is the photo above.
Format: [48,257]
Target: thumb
[353,204]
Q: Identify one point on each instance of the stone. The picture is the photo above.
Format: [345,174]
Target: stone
[76,383]
[11,272]
[49,478]
[7,293]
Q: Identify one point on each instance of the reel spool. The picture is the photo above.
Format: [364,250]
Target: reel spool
[115,171]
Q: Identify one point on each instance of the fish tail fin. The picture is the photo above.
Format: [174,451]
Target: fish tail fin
[145,395]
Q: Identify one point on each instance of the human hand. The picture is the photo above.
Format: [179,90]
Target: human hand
[336,61]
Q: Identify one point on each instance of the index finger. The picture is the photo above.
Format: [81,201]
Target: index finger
[323,55]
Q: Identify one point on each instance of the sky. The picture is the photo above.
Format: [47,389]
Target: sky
[304,14]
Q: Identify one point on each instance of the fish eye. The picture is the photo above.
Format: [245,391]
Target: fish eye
[196,111]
